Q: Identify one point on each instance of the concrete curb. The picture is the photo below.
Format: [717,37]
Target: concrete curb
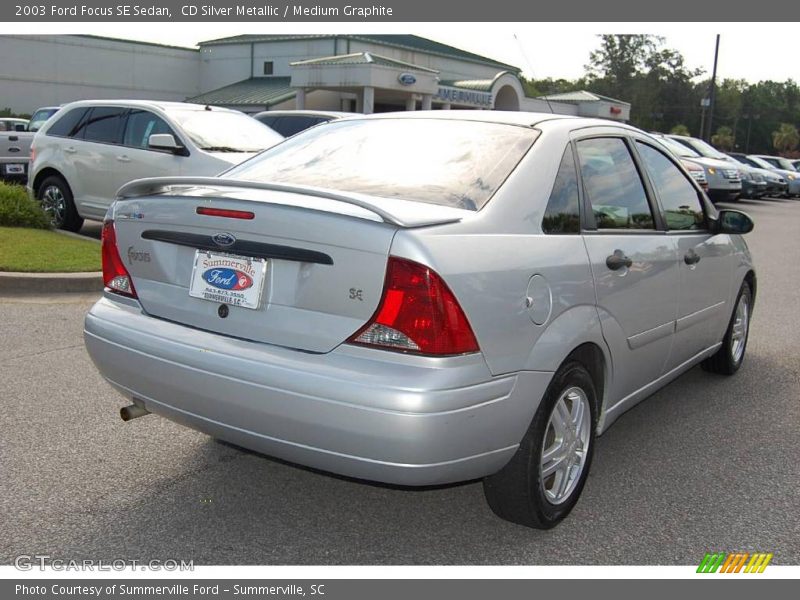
[52,283]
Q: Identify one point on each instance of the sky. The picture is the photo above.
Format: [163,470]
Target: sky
[751,51]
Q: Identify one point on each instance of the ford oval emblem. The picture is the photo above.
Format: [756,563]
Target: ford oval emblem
[223,239]
[406,79]
[228,279]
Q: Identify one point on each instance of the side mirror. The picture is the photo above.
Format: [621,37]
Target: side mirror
[165,141]
[733,221]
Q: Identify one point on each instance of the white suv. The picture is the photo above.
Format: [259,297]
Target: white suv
[89,149]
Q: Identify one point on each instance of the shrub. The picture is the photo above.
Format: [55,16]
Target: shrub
[17,210]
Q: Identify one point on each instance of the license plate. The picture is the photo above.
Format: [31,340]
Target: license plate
[15,169]
[228,279]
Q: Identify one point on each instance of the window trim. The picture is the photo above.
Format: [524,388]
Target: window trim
[588,223]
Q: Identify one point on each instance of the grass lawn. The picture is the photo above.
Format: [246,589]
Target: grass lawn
[42,251]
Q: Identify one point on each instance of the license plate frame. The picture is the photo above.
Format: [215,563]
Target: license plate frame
[14,169]
[229,279]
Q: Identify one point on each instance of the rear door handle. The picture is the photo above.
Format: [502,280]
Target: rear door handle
[691,257]
[70,150]
[618,260]
[123,158]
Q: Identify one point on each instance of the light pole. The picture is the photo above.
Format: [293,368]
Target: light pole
[713,96]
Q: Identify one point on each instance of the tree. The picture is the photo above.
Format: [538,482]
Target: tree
[723,139]
[680,129]
[786,138]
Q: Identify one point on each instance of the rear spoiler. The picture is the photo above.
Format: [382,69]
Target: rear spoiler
[416,214]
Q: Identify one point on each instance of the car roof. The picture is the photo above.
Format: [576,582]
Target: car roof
[333,114]
[152,104]
[520,118]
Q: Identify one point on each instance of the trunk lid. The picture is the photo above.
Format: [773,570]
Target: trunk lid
[326,258]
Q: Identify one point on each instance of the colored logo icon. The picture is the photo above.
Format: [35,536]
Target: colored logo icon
[736,562]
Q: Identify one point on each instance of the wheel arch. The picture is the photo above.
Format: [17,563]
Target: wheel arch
[44,174]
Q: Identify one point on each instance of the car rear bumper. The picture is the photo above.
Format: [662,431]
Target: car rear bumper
[354,411]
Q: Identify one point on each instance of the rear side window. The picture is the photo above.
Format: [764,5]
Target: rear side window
[67,125]
[613,186]
[562,214]
[104,125]
[140,125]
[679,199]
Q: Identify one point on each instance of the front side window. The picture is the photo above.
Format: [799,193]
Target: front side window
[438,161]
[141,124]
[562,214]
[679,199]
[613,186]
[104,125]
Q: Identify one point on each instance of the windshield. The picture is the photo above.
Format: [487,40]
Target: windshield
[784,164]
[40,117]
[761,163]
[450,163]
[705,149]
[225,131]
[678,148]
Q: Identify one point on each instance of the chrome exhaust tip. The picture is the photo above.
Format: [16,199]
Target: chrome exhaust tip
[134,411]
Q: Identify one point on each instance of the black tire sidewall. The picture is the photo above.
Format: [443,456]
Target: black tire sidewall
[728,345]
[72,221]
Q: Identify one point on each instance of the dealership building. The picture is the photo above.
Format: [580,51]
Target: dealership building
[251,73]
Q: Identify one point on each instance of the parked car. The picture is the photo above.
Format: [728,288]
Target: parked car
[776,184]
[431,298]
[86,152]
[724,179]
[792,177]
[721,184]
[290,122]
[11,124]
[778,162]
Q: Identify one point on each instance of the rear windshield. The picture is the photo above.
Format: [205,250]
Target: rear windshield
[450,163]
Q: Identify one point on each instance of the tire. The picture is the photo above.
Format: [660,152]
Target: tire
[56,200]
[519,493]
[730,355]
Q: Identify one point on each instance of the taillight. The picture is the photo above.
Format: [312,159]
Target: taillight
[115,276]
[418,314]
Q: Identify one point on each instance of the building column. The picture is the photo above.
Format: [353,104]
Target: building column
[368,102]
[427,101]
[300,99]
[411,102]
[446,106]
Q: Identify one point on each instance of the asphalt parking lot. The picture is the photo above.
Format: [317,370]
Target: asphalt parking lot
[708,463]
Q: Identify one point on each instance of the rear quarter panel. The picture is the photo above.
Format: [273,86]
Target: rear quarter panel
[488,261]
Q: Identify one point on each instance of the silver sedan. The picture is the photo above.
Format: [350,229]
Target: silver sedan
[424,298]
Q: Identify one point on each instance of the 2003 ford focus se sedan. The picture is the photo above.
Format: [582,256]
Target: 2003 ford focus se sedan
[424,298]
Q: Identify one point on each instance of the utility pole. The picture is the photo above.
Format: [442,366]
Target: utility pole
[713,95]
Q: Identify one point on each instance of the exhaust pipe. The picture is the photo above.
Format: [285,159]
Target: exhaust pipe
[134,411]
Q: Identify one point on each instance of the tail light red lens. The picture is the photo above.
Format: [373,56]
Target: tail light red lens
[115,276]
[418,314]
[225,212]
